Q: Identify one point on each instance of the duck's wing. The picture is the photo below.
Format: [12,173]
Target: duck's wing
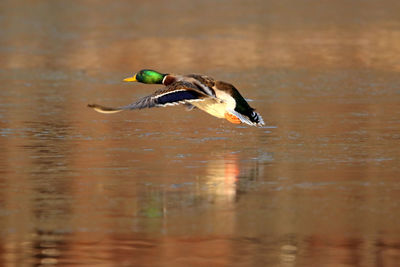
[180,92]
[204,83]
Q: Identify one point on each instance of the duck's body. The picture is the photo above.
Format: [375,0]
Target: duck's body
[219,99]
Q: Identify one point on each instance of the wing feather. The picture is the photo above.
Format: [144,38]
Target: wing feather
[180,92]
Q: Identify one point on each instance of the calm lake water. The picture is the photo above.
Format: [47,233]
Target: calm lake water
[318,186]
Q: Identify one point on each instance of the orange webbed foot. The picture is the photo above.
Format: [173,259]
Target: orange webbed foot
[232,118]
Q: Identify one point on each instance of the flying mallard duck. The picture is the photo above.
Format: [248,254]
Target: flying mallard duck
[220,99]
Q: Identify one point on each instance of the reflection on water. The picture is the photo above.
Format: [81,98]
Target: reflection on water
[222,176]
[316,187]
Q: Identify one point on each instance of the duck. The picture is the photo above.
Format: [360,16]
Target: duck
[217,98]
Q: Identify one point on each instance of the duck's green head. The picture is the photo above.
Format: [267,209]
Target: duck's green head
[147,76]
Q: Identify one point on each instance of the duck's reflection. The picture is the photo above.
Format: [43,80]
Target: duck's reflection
[222,177]
[228,177]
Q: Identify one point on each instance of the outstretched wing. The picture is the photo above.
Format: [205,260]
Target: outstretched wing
[180,92]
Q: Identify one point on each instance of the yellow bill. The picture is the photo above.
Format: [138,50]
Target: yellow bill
[130,79]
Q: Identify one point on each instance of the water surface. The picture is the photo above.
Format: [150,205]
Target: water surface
[318,186]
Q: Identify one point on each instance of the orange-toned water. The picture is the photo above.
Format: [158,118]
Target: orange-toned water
[318,186]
